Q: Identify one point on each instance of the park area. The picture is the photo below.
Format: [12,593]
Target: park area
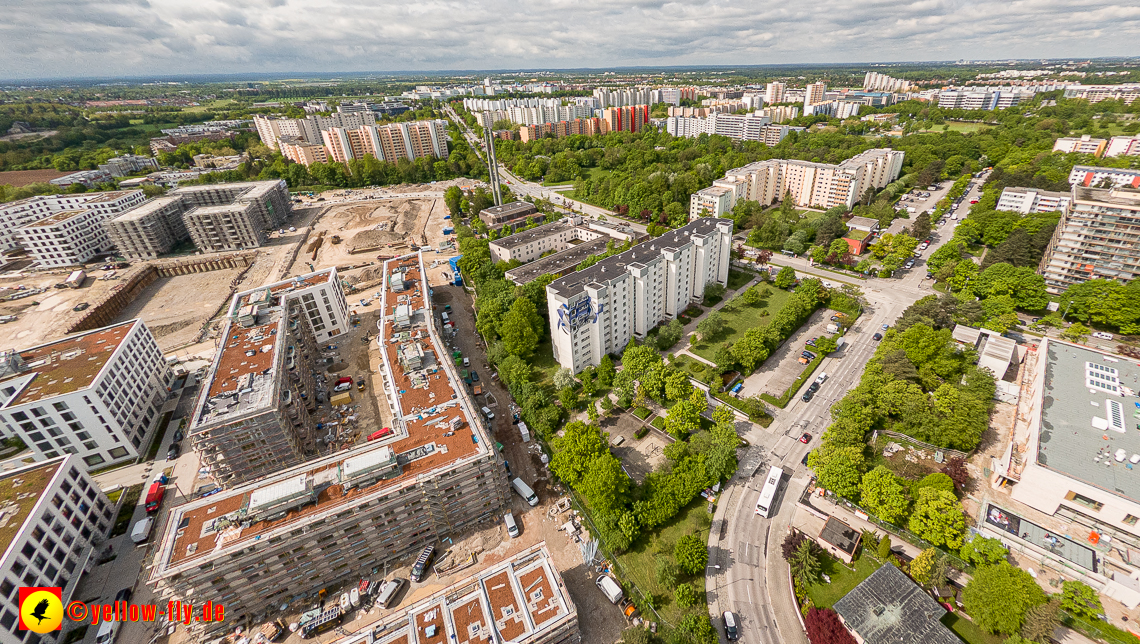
[739,317]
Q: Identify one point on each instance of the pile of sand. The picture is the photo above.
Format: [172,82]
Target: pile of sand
[372,240]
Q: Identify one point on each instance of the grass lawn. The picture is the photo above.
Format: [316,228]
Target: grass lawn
[544,365]
[738,278]
[638,564]
[658,422]
[739,321]
[127,509]
[843,579]
[212,105]
[969,631]
[642,413]
[156,442]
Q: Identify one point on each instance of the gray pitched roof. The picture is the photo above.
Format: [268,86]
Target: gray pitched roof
[889,608]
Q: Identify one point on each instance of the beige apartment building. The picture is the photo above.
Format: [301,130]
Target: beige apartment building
[1083,144]
[387,142]
[1097,238]
[303,152]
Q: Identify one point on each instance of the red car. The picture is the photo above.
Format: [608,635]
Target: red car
[973,201]
[805,438]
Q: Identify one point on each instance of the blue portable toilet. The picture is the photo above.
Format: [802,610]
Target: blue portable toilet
[454,261]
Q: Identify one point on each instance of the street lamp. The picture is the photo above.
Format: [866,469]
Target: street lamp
[1066,310]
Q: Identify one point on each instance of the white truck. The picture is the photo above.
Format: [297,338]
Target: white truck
[141,531]
[609,588]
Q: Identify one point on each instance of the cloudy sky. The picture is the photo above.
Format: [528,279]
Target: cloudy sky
[74,38]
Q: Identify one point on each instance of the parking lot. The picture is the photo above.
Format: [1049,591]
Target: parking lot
[781,369]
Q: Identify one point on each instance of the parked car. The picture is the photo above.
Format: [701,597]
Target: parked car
[886,326]
[807,395]
[474,376]
[811,342]
[806,438]
[178,436]
[809,355]
[1102,335]
[360,385]
[174,452]
[730,630]
[82,306]
[877,337]
[813,387]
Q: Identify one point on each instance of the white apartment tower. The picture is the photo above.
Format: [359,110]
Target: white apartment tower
[96,395]
[53,516]
[102,205]
[596,311]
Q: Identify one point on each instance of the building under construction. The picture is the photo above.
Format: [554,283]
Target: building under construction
[286,536]
[255,413]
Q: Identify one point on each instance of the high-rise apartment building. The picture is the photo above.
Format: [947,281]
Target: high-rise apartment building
[595,311]
[25,211]
[982,98]
[1083,144]
[272,128]
[775,93]
[72,237]
[54,515]
[149,229]
[301,151]
[814,93]
[1027,200]
[340,517]
[526,589]
[587,127]
[96,394]
[633,118]
[816,185]
[253,415]
[387,142]
[875,81]
[126,164]
[1098,238]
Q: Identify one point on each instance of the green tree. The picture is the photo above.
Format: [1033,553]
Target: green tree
[984,551]
[563,378]
[692,554]
[750,350]
[568,397]
[605,484]
[785,278]
[882,493]
[838,469]
[1076,332]
[606,372]
[1081,600]
[805,565]
[998,597]
[711,326]
[697,629]
[922,567]
[670,334]
[1041,622]
[452,197]
[751,296]
[826,344]
[575,451]
[667,572]
[683,419]
[884,550]
[686,595]
[938,481]
[938,518]
[518,328]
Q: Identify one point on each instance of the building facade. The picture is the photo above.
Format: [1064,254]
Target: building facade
[508,214]
[96,395]
[148,230]
[387,142]
[1083,144]
[1097,238]
[339,517]
[814,93]
[254,415]
[54,516]
[584,126]
[775,93]
[16,214]
[127,164]
[272,128]
[1027,200]
[1089,176]
[632,118]
[72,237]
[1123,146]
[595,311]
[818,185]
[233,216]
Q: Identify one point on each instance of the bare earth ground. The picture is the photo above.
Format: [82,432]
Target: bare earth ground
[174,308]
[44,316]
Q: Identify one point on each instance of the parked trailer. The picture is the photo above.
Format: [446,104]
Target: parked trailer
[75,280]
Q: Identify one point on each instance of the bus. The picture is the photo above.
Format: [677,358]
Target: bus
[768,495]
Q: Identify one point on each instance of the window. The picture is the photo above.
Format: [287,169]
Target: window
[1130,520]
[1084,500]
[118,452]
[94,459]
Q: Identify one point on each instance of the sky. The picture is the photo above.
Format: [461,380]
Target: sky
[107,38]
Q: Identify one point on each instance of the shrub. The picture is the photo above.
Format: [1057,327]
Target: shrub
[885,547]
[692,554]
[686,595]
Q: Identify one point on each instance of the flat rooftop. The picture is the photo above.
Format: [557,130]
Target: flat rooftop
[558,262]
[244,373]
[236,206]
[429,398]
[646,251]
[64,366]
[110,196]
[1043,193]
[1115,196]
[146,208]
[56,218]
[510,210]
[1088,413]
[535,234]
[20,490]
[518,599]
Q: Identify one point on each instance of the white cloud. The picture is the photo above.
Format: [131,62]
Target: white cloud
[51,38]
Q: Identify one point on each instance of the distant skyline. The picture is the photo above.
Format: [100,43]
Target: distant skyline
[44,39]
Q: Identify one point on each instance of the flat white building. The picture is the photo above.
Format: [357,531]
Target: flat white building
[53,516]
[96,395]
[594,312]
[1123,146]
[1090,176]
[16,214]
[1083,144]
[1027,200]
[557,236]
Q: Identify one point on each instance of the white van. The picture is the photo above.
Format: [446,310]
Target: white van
[512,527]
[488,414]
[443,316]
[389,591]
[609,588]
[107,632]
[141,530]
[524,491]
